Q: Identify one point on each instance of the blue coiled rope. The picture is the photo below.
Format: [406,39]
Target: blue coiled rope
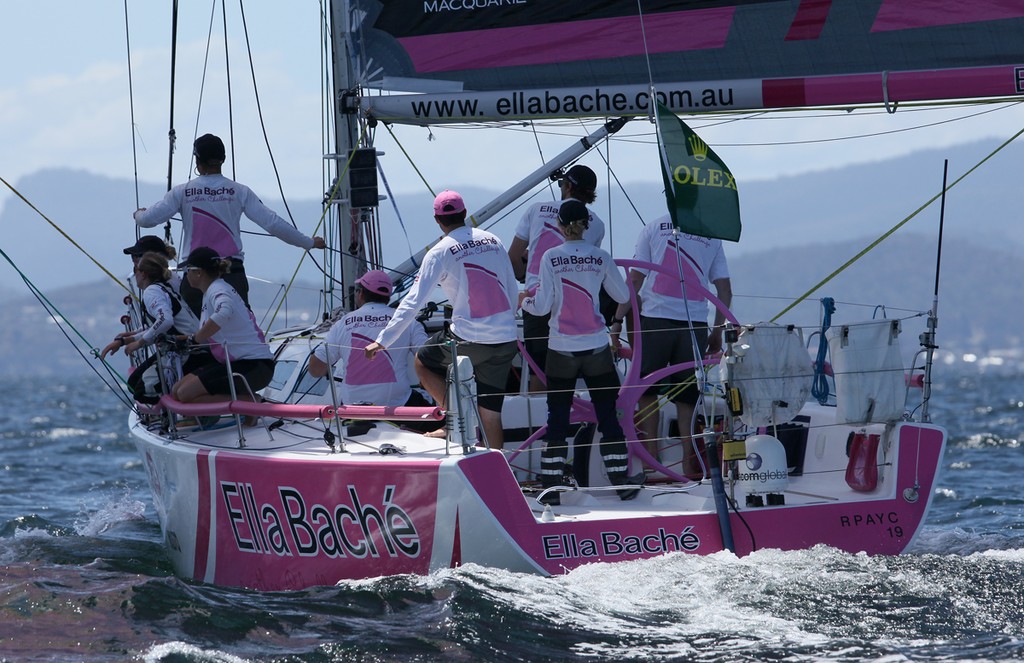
[819,388]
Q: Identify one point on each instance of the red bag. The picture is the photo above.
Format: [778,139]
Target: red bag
[862,469]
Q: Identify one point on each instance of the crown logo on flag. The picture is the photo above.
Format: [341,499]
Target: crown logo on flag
[698,147]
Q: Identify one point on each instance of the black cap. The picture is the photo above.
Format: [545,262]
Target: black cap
[582,177]
[145,244]
[572,211]
[209,149]
[204,258]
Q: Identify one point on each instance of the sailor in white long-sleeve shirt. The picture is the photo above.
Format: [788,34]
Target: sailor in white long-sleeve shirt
[536,233]
[211,208]
[473,270]
[674,319]
[569,287]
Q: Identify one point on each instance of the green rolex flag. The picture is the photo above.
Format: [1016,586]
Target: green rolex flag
[699,188]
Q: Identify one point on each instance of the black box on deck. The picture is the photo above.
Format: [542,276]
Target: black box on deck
[793,436]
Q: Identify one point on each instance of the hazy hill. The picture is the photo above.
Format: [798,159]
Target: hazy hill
[976,312]
[797,230]
[818,207]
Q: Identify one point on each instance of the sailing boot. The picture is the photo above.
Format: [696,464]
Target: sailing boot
[552,470]
[616,458]
[620,479]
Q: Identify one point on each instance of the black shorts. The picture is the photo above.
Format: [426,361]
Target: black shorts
[491,364]
[257,373]
[667,342]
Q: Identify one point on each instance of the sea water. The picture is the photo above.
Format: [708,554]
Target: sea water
[85,577]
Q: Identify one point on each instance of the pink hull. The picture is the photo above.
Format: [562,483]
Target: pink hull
[276,521]
[885,525]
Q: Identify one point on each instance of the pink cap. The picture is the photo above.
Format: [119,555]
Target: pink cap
[448,202]
[376,281]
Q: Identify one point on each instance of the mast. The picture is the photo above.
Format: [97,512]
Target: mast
[346,124]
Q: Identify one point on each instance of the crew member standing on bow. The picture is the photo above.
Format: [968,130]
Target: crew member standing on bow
[568,292]
[164,313]
[472,267]
[211,208]
[537,232]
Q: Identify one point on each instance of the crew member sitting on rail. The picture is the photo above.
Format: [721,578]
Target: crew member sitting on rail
[230,328]
[164,312]
[384,381]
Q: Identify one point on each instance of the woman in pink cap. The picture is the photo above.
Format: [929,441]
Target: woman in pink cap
[472,268]
[385,381]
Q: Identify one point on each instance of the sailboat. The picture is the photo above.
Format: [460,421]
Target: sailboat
[312,496]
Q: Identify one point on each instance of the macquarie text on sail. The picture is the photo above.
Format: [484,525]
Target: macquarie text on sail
[433,6]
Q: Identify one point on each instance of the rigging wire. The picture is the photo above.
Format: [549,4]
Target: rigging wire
[66,236]
[171,134]
[263,124]
[896,227]
[227,73]
[409,159]
[331,230]
[818,141]
[719,118]
[131,108]
[61,322]
[327,207]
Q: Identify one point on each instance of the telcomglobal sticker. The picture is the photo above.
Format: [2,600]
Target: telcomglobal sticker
[612,544]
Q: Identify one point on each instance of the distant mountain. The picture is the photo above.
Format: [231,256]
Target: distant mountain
[817,207]
[977,313]
[31,341]
[797,230]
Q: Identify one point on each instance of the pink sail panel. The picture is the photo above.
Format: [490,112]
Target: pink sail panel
[666,32]
[590,47]
[910,14]
[487,295]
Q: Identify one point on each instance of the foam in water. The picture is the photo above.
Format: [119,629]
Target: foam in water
[64,433]
[110,514]
[185,651]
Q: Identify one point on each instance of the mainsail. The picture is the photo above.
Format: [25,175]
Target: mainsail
[473,61]
[481,60]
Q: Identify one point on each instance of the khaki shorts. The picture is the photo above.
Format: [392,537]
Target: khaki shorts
[491,364]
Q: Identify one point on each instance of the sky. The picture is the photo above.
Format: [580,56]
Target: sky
[66,101]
